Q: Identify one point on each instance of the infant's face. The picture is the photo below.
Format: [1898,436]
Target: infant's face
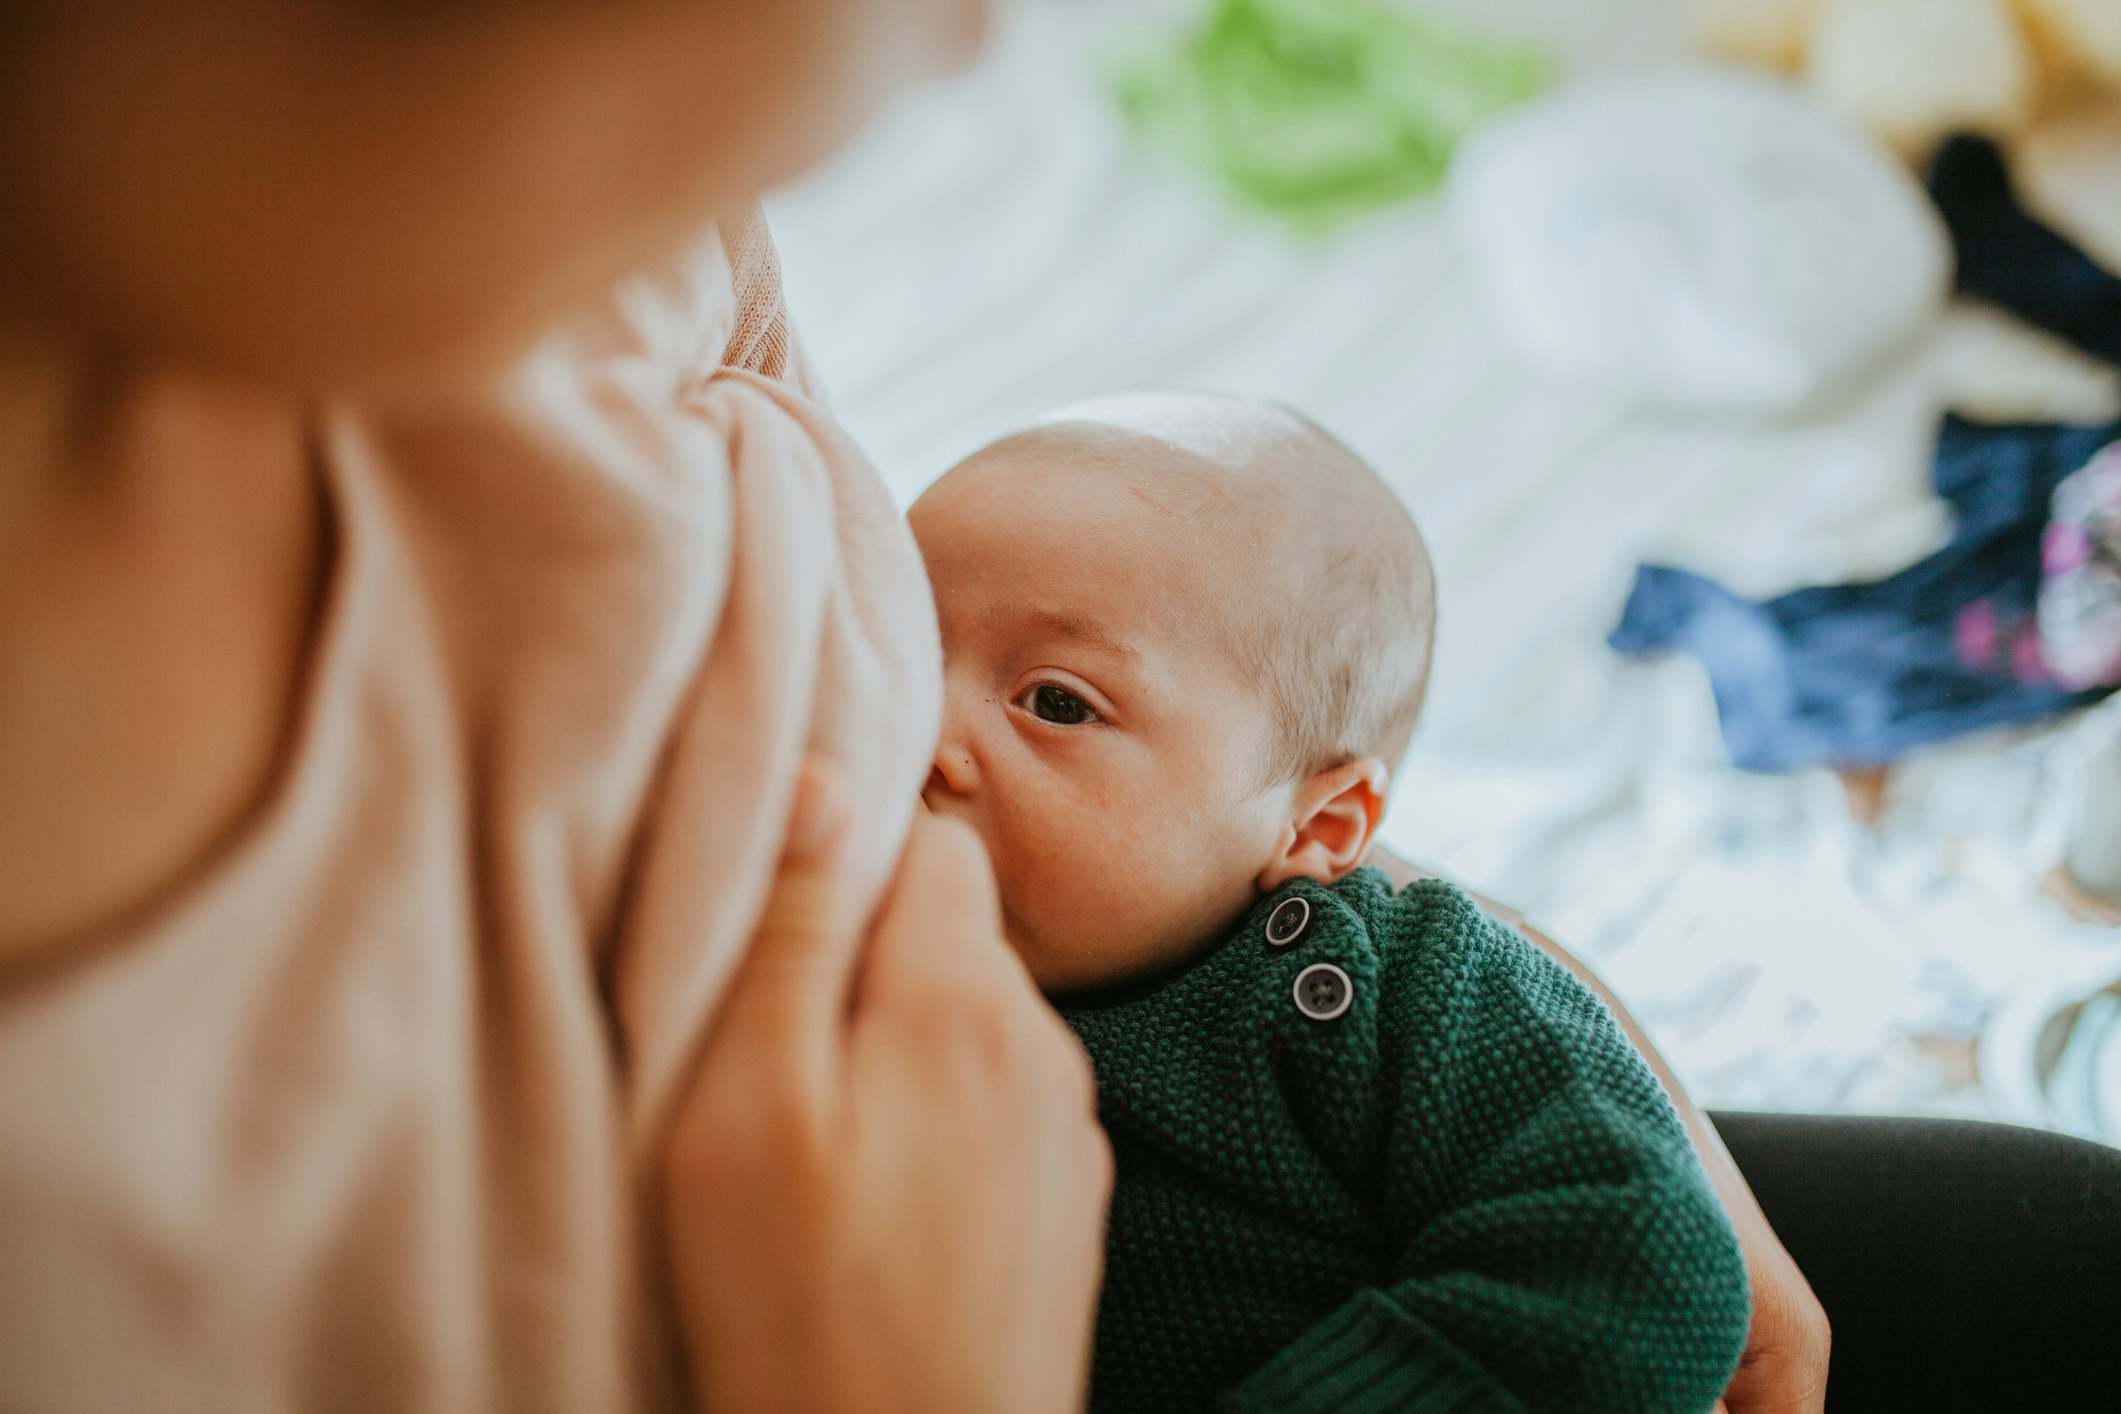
[1097,731]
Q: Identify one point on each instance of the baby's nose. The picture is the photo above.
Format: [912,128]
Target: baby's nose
[953,773]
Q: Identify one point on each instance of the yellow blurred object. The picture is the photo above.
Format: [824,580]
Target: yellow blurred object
[2082,34]
[2069,172]
[1912,71]
[1756,31]
[1915,71]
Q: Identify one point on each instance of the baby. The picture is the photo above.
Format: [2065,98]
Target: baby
[1374,1150]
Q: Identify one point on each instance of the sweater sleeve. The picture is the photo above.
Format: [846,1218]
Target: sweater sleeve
[1552,1243]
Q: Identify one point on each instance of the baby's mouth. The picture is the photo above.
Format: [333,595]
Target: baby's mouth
[939,800]
[937,797]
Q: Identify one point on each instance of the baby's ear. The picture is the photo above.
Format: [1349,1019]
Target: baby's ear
[1335,815]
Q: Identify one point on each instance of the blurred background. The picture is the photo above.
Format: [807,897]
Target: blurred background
[1701,318]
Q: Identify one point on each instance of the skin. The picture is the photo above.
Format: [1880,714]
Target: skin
[370,190]
[1099,734]
[870,1093]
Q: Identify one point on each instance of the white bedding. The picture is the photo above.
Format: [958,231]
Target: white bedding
[995,248]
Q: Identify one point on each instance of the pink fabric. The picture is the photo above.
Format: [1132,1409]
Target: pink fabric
[362,1117]
[2080,592]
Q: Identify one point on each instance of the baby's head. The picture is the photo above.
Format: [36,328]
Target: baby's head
[1185,639]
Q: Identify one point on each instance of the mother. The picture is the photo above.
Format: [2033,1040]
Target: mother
[437,965]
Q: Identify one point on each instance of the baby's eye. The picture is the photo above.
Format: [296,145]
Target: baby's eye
[1050,702]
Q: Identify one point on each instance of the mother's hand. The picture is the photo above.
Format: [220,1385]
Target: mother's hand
[886,1189]
[1783,1370]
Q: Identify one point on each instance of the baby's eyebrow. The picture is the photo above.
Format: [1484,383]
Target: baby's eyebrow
[1080,630]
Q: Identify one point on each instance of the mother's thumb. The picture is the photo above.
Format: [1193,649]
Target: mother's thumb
[789,994]
[817,821]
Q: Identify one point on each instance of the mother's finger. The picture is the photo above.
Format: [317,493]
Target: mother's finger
[788,1001]
[942,923]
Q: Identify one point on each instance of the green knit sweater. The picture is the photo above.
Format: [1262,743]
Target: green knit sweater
[1465,1191]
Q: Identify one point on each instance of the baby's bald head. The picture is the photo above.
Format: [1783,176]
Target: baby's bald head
[1184,639]
[1289,553]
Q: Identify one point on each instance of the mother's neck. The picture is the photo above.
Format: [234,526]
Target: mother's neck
[37,400]
[161,552]
[86,435]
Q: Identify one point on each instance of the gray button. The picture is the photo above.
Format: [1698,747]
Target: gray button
[1287,922]
[1323,991]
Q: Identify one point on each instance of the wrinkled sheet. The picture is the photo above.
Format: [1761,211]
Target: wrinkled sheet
[996,247]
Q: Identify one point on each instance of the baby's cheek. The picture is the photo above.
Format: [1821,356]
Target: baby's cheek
[1079,874]
[1104,901]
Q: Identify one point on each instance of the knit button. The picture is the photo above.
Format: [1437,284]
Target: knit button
[1287,922]
[1323,991]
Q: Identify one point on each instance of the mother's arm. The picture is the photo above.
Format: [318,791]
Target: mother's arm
[1784,1367]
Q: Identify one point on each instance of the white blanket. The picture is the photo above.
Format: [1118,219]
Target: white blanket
[995,248]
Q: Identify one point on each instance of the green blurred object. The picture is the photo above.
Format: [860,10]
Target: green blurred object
[1322,110]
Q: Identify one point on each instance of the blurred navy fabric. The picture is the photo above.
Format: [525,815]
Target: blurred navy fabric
[2012,261]
[1862,674]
